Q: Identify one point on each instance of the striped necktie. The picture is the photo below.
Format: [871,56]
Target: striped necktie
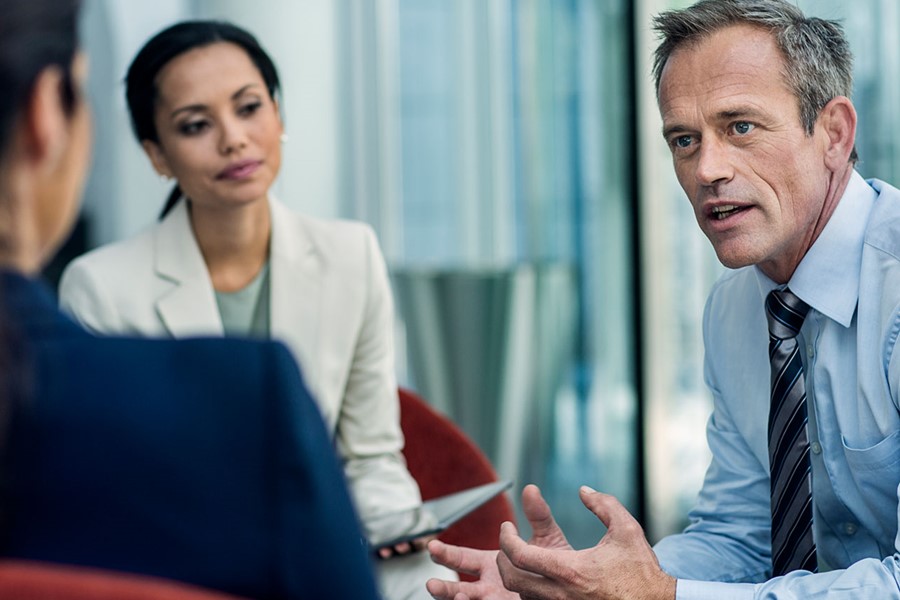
[792,537]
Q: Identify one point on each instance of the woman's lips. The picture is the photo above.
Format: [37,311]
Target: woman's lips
[239,170]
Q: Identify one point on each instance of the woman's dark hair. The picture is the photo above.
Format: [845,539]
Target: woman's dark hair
[34,34]
[140,82]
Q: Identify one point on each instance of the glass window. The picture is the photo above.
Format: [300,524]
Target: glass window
[511,244]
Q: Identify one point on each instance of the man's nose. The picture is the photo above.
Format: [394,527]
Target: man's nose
[714,162]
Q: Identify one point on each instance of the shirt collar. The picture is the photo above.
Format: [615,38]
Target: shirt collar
[828,276]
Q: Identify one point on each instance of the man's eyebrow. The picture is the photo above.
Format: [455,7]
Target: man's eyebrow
[673,129]
[738,113]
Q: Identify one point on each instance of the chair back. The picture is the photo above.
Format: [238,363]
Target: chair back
[27,580]
[443,459]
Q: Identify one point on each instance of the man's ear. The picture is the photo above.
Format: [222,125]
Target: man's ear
[838,121]
[45,125]
[157,158]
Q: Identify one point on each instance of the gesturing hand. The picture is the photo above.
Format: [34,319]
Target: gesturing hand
[621,566]
[483,563]
[480,563]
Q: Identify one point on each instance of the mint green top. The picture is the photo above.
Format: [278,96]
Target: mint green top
[245,313]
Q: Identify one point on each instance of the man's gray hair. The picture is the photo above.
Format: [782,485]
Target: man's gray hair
[817,58]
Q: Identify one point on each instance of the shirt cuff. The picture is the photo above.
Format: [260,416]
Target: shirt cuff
[687,589]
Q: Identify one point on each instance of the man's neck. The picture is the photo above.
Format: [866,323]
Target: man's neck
[781,270]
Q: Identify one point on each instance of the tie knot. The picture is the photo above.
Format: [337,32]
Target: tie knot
[785,313]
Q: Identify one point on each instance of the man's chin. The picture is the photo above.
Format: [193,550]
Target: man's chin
[734,260]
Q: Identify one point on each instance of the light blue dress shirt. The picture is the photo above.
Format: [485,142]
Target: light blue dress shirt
[851,280]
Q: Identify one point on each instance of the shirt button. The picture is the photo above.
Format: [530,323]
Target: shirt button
[816,448]
[850,528]
[810,351]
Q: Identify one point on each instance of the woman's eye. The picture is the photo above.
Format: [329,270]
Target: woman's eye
[192,127]
[249,109]
[743,127]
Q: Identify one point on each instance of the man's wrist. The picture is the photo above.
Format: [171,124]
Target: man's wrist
[667,587]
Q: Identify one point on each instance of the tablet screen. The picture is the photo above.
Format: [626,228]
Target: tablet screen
[432,517]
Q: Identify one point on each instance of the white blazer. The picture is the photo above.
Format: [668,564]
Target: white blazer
[330,304]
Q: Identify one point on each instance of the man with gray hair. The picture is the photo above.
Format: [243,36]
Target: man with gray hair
[801,498]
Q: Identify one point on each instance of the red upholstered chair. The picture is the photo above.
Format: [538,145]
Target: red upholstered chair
[26,580]
[443,459]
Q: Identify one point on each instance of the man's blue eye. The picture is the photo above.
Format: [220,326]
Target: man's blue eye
[683,141]
[743,128]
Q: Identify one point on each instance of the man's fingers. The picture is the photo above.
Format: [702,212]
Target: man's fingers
[534,505]
[445,590]
[609,510]
[537,511]
[530,586]
[464,560]
[527,557]
[545,531]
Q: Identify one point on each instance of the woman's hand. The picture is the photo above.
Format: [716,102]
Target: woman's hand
[406,547]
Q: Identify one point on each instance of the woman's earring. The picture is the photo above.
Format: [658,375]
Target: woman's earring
[284,138]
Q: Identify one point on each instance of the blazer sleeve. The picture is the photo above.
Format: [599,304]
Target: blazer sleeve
[368,433]
[315,504]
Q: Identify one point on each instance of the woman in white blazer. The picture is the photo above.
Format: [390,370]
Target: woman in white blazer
[228,259]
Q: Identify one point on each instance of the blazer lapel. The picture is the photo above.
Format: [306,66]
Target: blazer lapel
[296,278]
[189,308]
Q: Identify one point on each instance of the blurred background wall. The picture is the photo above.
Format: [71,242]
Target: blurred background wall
[548,272]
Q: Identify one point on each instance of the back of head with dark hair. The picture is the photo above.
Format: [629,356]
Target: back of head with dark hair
[34,34]
[141,91]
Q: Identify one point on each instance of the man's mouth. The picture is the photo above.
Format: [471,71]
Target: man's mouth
[725,211]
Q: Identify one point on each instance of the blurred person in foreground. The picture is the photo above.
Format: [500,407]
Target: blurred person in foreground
[204,461]
[801,497]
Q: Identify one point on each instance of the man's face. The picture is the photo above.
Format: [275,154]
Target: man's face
[757,182]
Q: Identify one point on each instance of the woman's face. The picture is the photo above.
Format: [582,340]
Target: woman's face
[219,130]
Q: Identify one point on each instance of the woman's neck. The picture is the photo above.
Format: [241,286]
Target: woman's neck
[21,247]
[24,263]
[234,242]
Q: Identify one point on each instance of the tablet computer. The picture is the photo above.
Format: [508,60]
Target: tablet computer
[433,516]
